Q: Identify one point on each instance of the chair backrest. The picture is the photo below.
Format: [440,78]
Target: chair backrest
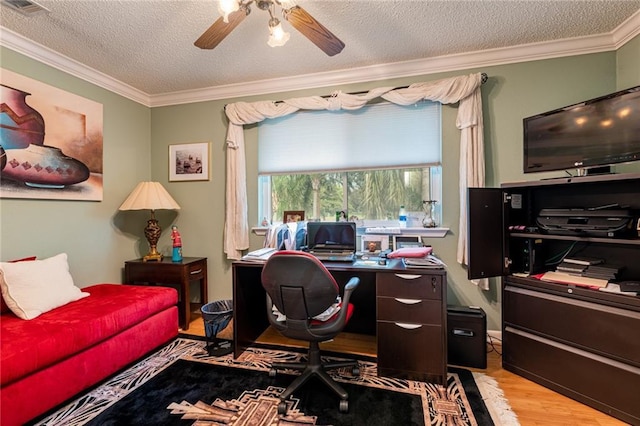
[299,285]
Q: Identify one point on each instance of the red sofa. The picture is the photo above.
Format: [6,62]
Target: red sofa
[49,359]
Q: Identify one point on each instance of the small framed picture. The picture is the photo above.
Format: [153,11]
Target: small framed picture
[189,161]
[374,243]
[400,241]
[293,216]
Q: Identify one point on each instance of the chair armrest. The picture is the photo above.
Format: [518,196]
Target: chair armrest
[352,284]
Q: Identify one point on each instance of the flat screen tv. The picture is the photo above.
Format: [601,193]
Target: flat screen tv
[594,133]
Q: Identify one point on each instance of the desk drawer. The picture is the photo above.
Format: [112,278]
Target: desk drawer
[409,286]
[414,353]
[604,329]
[410,310]
[591,379]
[198,270]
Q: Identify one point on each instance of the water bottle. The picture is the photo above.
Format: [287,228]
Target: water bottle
[402,217]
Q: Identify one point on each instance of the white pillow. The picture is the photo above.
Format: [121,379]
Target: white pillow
[33,288]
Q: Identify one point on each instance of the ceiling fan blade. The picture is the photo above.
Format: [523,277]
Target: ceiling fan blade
[220,29]
[313,30]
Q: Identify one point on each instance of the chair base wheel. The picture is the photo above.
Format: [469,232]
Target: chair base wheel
[282,408]
[344,406]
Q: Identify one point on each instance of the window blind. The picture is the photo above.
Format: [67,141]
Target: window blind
[379,136]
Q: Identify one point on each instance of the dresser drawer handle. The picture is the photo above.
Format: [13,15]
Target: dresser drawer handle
[408,326]
[196,272]
[408,301]
[407,276]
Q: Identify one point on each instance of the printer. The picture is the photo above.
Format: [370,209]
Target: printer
[594,222]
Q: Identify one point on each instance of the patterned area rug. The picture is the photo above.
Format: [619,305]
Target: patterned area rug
[182,384]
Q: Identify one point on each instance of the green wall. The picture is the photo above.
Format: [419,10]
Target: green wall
[628,64]
[512,92]
[98,238]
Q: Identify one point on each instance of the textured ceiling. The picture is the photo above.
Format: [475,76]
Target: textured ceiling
[148,44]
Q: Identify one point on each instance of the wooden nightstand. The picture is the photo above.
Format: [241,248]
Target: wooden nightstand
[167,272]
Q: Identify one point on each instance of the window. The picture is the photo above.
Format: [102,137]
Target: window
[366,162]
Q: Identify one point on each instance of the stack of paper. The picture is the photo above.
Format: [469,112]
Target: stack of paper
[589,267]
[428,262]
[604,271]
[583,260]
[615,288]
[571,268]
[261,255]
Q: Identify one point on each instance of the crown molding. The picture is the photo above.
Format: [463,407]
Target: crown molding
[627,30]
[499,56]
[43,54]
[467,60]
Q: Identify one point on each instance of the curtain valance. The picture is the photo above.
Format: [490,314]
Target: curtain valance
[463,89]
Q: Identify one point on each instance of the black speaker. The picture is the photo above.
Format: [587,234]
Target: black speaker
[466,336]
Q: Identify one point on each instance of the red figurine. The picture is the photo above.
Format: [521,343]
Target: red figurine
[177,244]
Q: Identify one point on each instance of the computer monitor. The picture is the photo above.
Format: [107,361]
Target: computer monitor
[334,236]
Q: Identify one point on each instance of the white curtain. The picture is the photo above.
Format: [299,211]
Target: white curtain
[463,89]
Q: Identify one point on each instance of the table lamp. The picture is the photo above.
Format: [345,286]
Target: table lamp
[150,196]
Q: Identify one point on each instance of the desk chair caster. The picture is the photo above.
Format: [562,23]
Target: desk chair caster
[344,401]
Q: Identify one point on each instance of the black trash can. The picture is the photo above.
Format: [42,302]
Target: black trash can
[216,316]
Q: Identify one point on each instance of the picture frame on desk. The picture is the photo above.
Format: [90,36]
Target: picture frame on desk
[293,216]
[374,243]
[400,241]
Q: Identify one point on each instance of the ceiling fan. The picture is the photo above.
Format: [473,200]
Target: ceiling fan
[234,11]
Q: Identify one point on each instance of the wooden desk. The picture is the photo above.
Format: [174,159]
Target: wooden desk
[168,272]
[405,309]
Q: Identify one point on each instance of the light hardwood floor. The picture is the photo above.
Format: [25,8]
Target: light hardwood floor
[533,404]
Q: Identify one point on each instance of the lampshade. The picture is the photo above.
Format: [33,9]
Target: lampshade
[149,196]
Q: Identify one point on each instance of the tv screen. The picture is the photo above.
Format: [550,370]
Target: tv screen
[593,133]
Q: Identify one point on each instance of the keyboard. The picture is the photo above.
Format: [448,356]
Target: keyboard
[333,257]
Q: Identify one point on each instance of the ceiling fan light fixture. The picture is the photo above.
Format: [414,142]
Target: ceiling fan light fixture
[235,11]
[279,36]
[227,7]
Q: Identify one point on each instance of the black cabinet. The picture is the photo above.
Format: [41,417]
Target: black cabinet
[579,341]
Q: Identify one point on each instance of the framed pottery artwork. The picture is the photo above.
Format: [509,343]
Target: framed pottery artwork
[400,241]
[293,216]
[189,161]
[63,163]
[374,243]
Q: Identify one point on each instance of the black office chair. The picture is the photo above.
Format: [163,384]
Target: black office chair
[301,288]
